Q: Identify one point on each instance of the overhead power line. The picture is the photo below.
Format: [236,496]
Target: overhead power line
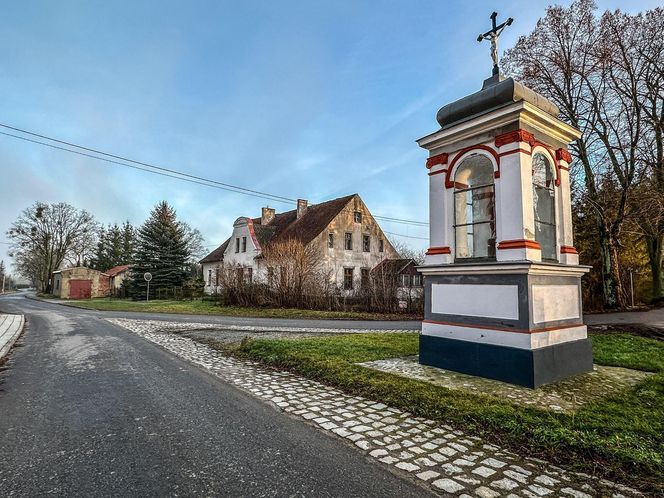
[160,170]
[142,166]
[407,236]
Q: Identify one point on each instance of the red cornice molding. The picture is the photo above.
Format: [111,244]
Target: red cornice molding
[564,155]
[513,151]
[519,244]
[568,250]
[448,181]
[522,135]
[438,159]
[438,250]
[519,135]
[431,173]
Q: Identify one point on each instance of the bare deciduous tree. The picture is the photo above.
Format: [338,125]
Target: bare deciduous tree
[595,71]
[295,271]
[44,236]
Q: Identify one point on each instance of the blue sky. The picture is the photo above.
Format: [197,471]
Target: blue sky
[302,99]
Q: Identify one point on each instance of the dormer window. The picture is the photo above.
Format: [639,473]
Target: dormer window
[474,213]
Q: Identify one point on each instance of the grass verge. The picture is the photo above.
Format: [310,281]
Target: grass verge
[620,438]
[200,307]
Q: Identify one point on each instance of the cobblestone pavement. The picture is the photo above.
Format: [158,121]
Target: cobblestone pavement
[447,460]
[10,328]
[238,331]
[564,396]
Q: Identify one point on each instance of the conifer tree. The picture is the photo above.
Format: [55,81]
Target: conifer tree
[128,242]
[161,249]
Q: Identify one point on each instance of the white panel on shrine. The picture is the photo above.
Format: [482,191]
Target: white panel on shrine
[489,301]
[555,302]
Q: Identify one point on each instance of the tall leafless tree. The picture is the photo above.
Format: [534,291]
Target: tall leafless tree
[44,236]
[595,70]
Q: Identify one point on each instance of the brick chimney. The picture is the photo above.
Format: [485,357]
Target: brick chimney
[301,207]
[267,215]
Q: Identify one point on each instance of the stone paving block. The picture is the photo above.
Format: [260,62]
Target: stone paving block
[409,467]
[483,471]
[484,492]
[427,475]
[505,484]
[448,485]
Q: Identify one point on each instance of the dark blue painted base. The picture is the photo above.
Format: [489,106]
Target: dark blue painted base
[515,366]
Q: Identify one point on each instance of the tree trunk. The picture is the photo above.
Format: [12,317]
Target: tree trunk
[609,283]
[655,247]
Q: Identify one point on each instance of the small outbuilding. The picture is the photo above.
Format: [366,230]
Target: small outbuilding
[116,277]
[80,283]
[400,273]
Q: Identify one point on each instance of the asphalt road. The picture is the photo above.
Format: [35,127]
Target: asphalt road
[89,409]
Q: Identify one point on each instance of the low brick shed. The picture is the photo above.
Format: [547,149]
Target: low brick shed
[80,283]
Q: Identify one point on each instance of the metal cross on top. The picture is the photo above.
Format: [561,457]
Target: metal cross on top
[492,35]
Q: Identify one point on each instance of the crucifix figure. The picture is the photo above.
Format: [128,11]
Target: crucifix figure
[492,35]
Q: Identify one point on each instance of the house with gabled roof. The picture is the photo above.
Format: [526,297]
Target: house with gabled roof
[402,275]
[348,238]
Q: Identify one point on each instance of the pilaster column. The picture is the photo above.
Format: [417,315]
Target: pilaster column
[567,254]
[515,229]
[439,251]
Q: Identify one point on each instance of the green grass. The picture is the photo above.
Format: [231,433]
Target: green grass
[621,438]
[200,307]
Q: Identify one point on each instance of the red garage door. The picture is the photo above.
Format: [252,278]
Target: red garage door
[80,289]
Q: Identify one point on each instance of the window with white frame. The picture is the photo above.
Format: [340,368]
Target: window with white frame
[474,211]
[544,206]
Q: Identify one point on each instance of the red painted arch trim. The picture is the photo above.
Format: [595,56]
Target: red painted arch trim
[552,156]
[250,225]
[503,329]
[439,250]
[568,250]
[431,173]
[519,244]
[448,177]
[437,159]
